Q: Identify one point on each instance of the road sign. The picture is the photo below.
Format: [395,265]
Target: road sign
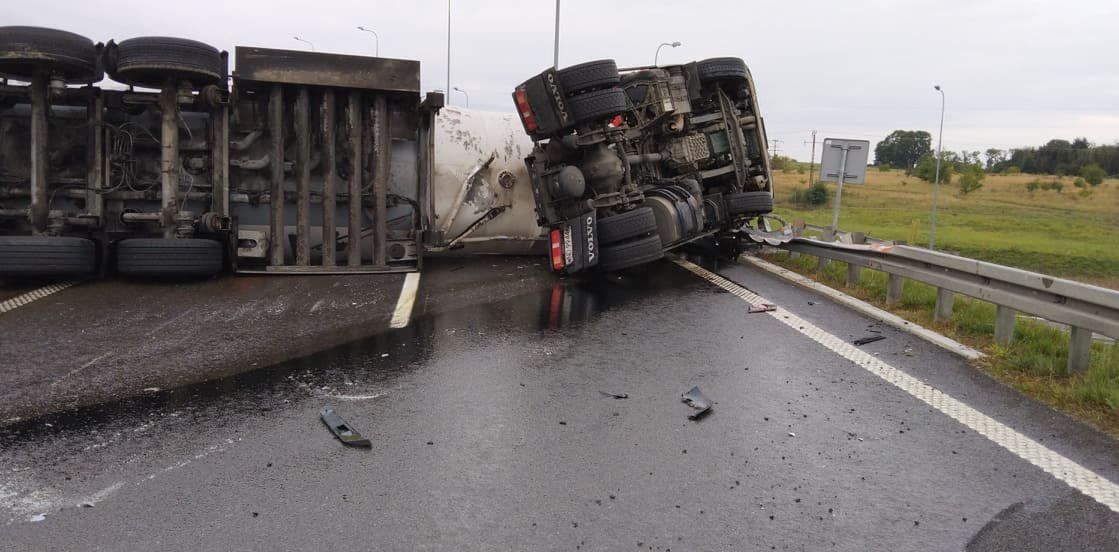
[832,163]
[844,162]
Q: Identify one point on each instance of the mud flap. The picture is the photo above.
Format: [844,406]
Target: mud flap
[580,243]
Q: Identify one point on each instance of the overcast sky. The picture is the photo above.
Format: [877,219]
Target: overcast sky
[1015,72]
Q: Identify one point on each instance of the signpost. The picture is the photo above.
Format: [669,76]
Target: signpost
[843,162]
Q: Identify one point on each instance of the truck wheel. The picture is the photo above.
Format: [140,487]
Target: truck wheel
[149,60]
[169,257]
[46,256]
[23,50]
[630,253]
[600,104]
[721,68]
[589,76]
[749,203]
[616,228]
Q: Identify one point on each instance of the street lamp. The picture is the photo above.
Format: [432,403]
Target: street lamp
[669,44]
[376,39]
[457,89]
[936,186]
[307,41]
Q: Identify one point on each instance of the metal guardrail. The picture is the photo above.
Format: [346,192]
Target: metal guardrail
[1084,308]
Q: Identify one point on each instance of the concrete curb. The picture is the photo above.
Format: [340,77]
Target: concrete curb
[865,308]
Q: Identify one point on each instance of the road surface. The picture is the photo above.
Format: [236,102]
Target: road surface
[491,431]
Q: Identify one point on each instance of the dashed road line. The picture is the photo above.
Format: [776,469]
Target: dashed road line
[1076,476]
[403,313]
[33,295]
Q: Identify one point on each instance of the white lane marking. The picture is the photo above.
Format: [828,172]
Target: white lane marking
[1076,476]
[33,295]
[868,309]
[403,313]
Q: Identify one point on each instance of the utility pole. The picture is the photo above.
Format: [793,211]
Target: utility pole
[936,186]
[775,142]
[812,162]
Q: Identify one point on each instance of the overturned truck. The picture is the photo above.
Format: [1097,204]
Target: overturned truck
[628,164]
[303,162]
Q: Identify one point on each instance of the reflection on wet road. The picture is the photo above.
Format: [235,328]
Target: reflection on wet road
[491,430]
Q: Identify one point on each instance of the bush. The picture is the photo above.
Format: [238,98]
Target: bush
[926,169]
[1079,182]
[971,178]
[1053,185]
[815,195]
[1093,174]
[969,183]
[1012,170]
[1033,185]
[883,168]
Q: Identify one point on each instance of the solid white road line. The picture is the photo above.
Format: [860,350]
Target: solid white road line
[867,309]
[1076,476]
[403,313]
[33,295]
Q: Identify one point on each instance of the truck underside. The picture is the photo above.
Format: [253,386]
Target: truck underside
[628,164]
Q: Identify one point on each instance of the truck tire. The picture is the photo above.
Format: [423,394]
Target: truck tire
[630,224]
[150,60]
[721,68]
[631,253]
[46,256]
[169,257]
[600,104]
[23,50]
[588,76]
[749,203]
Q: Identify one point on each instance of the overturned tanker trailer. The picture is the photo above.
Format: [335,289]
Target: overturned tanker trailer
[297,162]
[303,162]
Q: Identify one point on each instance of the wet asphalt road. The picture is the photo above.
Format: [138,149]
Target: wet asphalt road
[490,432]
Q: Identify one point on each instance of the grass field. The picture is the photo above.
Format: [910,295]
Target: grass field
[1073,233]
[1068,233]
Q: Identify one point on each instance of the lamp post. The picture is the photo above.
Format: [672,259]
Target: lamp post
[555,49]
[674,44]
[936,185]
[448,52]
[309,43]
[376,40]
[457,89]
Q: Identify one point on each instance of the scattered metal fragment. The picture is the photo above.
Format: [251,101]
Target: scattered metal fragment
[763,307]
[696,400]
[869,339]
[615,395]
[342,430]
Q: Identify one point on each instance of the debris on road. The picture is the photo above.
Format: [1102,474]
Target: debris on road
[342,430]
[615,395]
[696,400]
[869,339]
[762,307]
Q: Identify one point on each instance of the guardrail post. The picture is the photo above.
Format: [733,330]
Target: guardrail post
[794,254]
[821,266]
[854,271]
[1079,350]
[894,288]
[944,299]
[1005,317]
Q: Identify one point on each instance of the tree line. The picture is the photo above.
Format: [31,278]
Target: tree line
[909,149]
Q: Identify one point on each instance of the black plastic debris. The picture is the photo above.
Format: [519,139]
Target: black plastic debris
[615,395]
[696,400]
[762,307]
[342,430]
[869,339]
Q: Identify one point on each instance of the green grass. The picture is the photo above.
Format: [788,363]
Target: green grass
[1062,234]
[1035,362]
